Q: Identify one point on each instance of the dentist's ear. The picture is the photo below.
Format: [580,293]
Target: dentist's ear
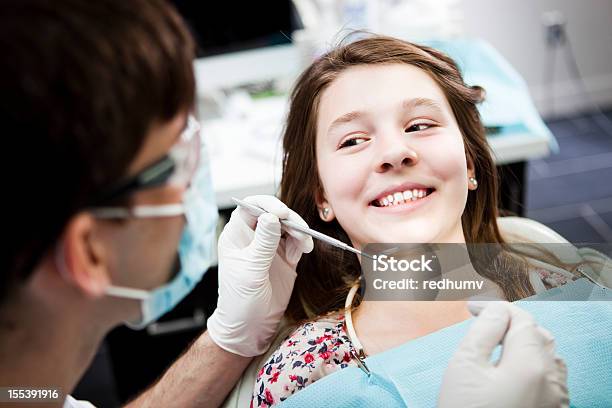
[81,256]
[325,211]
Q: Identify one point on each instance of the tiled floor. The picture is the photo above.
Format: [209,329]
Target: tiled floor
[571,191]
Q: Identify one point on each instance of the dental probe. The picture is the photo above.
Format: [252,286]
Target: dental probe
[257,211]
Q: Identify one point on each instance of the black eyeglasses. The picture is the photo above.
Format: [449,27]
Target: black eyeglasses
[154,175]
[178,165]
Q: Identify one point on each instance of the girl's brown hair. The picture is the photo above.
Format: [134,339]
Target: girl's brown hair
[327,273]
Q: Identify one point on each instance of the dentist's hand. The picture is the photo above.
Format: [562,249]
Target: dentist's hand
[528,374]
[256,276]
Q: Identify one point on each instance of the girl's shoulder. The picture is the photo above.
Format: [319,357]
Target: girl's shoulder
[312,351]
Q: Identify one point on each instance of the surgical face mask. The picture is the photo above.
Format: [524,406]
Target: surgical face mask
[196,249]
[196,252]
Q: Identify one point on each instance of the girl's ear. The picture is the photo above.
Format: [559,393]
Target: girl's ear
[324,209]
[471,173]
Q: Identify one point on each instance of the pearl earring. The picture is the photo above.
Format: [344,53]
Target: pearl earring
[474,182]
[325,213]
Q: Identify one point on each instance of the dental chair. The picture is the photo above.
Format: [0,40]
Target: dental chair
[519,229]
[596,266]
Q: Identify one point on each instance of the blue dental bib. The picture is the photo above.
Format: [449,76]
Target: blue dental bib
[411,374]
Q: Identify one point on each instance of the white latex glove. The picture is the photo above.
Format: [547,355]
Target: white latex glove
[528,373]
[256,276]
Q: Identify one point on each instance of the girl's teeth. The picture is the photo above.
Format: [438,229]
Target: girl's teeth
[400,198]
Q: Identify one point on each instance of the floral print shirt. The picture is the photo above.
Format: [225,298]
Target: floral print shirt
[311,352]
[318,348]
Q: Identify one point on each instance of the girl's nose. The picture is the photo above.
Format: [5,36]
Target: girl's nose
[395,154]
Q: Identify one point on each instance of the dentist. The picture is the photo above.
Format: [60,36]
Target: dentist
[110,218]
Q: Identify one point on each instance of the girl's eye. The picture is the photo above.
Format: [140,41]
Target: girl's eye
[353,142]
[417,127]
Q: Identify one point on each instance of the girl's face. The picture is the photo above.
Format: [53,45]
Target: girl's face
[391,157]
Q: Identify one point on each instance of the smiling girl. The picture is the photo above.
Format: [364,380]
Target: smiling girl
[383,143]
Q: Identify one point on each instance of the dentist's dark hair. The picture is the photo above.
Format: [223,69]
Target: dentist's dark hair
[81,84]
[327,273]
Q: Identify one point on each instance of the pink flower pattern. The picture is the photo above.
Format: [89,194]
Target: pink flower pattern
[311,352]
